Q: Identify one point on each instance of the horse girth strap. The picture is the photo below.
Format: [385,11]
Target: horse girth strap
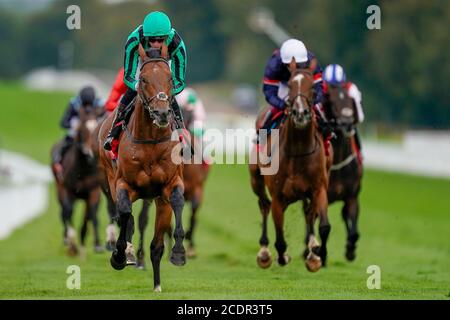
[139,141]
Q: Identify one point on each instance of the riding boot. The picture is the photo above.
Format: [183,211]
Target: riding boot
[266,124]
[115,130]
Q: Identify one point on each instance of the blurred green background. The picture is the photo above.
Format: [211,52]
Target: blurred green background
[402,69]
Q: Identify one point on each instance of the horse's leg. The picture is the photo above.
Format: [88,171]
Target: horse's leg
[84,225]
[111,228]
[162,223]
[264,257]
[195,204]
[129,251]
[143,221]
[317,254]
[278,209]
[324,224]
[306,209]
[178,256]
[118,258]
[350,213]
[69,232]
[94,201]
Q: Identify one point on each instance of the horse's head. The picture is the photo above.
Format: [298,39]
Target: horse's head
[88,123]
[155,85]
[300,95]
[341,106]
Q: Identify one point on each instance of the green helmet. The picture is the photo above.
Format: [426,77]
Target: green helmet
[157,24]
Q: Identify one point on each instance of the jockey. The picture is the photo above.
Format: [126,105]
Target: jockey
[188,100]
[154,31]
[277,75]
[71,119]
[334,76]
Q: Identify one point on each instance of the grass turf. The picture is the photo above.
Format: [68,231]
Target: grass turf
[404,227]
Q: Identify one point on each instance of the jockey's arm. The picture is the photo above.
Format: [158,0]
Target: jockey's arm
[271,83]
[270,89]
[178,58]
[131,60]
[355,94]
[68,115]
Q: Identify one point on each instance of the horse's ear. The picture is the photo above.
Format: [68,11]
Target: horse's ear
[293,65]
[142,53]
[313,65]
[164,51]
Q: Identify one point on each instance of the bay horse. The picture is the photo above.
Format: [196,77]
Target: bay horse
[194,178]
[302,175]
[347,169]
[79,180]
[144,168]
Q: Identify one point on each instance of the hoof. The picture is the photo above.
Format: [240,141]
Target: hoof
[282,261]
[110,245]
[350,255]
[140,264]
[313,262]
[131,260]
[178,258]
[157,289]
[264,258]
[117,264]
[191,253]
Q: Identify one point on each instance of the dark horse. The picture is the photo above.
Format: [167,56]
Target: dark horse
[302,175]
[346,171]
[145,168]
[79,180]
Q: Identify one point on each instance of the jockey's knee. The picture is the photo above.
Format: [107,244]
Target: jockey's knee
[128,96]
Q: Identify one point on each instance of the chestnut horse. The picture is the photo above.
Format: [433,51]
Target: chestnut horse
[145,168]
[195,175]
[347,169]
[302,175]
[79,180]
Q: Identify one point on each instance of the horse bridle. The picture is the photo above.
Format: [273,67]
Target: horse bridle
[290,103]
[160,96]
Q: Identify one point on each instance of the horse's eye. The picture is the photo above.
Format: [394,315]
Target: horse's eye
[143,80]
